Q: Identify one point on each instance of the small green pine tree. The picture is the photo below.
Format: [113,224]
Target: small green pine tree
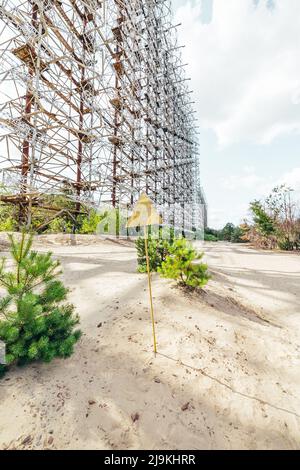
[35,322]
[158,250]
[183,264]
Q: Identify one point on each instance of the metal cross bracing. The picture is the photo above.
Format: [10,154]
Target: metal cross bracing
[95,104]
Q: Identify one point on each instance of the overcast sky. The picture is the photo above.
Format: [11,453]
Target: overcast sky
[244,61]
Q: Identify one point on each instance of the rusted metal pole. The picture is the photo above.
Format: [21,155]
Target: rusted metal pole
[115,151]
[80,135]
[23,208]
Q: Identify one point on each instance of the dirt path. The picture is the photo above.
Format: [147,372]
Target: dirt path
[267,280]
[227,375]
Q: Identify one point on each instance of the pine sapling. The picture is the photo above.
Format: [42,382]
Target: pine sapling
[184,265]
[158,250]
[35,321]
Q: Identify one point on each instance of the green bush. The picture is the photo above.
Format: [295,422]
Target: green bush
[183,264]
[90,223]
[158,250]
[8,225]
[59,225]
[113,222]
[237,235]
[286,244]
[35,322]
[210,238]
[230,232]
[215,233]
[7,218]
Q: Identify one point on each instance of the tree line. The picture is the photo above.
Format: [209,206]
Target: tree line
[274,223]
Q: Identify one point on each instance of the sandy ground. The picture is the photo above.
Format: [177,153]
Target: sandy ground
[227,372]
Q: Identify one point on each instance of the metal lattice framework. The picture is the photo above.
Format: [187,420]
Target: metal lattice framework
[94,100]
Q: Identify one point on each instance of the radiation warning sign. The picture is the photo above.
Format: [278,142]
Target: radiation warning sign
[144,214]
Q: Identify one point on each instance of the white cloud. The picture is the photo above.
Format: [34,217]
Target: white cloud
[218,218]
[245,67]
[248,179]
[292,179]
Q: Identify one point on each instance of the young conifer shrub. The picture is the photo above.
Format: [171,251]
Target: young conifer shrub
[36,323]
[158,250]
[184,265]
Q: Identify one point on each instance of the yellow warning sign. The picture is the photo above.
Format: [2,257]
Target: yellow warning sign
[144,214]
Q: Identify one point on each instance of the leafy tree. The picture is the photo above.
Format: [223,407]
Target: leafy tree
[227,232]
[112,222]
[262,220]
[238,235]
[41,219]
[276,221]
[7,218]
[90,222]
[231,233]
[184,265]
[35,322]
[60,225]
[283,211]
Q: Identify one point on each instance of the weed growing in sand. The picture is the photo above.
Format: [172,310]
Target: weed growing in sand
[35,321]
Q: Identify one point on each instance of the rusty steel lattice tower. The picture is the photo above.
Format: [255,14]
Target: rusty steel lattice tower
[95,104]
